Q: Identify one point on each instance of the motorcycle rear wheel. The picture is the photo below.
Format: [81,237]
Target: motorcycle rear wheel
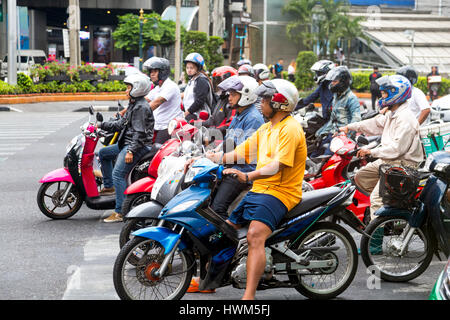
[327,283]
[379,254]
[139,282]
[134,200]
[48,200]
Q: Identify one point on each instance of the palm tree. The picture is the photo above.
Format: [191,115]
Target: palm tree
[299,29]
[350,28]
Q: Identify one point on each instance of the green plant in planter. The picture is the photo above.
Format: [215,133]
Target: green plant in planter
[73,74]
[24,82]
[105,72]
[87,68]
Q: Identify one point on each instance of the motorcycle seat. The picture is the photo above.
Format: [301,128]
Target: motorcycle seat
[149,155]
[311,200]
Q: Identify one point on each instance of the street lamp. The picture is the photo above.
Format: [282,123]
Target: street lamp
[141,23]
[410,35]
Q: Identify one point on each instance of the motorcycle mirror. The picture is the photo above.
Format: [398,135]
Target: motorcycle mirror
[361,140]
[99,117]
[91,110]
[119,106]
[204,115]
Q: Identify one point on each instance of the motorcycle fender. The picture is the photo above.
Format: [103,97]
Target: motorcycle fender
[150,209]
[351,219]
[61,174]
[142,185]
[166,237]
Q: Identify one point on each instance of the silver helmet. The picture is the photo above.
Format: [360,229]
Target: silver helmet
[140,83]
[283,94]
[244,85]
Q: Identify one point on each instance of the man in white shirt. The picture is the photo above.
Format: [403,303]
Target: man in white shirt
[418,102]
[164,99]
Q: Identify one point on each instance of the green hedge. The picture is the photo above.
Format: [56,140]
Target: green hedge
[23,86]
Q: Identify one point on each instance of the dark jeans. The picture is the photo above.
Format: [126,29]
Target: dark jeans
[161,136]
[115,174]
[375,96]
[229,189]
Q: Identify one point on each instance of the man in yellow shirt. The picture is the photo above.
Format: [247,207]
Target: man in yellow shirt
[279,146]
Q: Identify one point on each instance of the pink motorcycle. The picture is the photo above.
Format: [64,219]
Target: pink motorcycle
[64,190]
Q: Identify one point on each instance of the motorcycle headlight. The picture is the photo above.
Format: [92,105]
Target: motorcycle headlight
[192,172]
[172,126]
[183,206]
[336,144]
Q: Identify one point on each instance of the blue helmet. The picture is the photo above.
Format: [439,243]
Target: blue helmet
[397,87]
[195,58]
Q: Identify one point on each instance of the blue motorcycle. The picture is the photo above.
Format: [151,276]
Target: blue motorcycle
[399,243]
[318,258]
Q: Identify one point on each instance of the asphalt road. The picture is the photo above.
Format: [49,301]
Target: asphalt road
[43,259]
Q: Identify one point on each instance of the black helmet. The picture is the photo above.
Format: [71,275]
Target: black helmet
[342,74]
[161,64]
[409,73]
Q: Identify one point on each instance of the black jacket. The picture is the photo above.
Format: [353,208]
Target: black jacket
[136,126]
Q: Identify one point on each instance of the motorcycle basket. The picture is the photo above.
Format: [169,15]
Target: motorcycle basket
[398,186]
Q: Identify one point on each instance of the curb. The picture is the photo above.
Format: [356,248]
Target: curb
[97,108]
[61,97]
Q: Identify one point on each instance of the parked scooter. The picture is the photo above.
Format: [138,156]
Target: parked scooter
[320,258]
[400,243]
[64,190]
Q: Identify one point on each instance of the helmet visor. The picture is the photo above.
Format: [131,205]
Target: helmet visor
[266,89]
[232,83]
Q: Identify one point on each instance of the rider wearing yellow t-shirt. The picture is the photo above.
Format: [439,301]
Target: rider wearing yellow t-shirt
[279,146]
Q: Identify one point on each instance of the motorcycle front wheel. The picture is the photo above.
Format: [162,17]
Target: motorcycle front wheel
[132,225]
[326,241]
[139,282]
[382,251]
[50,196]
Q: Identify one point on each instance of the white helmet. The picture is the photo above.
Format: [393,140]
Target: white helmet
[283,94]
[140,83]
[261,71]
[244,85]
[321,68]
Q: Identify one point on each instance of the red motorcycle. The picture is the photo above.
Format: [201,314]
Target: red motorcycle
[140,191]
[339,168]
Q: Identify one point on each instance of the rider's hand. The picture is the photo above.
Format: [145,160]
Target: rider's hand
[129,158]
[343,129]
[241,176]
[363,152]
[384,110]
[189,163]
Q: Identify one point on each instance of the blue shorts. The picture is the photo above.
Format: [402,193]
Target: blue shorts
[261,207]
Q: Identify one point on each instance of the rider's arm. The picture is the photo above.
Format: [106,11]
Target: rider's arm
[142,123]
[311,98]
[201,92]
[421,100]
[154,104]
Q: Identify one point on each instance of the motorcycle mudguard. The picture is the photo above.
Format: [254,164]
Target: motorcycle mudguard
[415,219]
[166,237]
[142,185]
[61,174]
[150,209]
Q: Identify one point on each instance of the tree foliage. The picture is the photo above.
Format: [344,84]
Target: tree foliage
[322,22]
[209,48]
[155,31]
[304,77]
